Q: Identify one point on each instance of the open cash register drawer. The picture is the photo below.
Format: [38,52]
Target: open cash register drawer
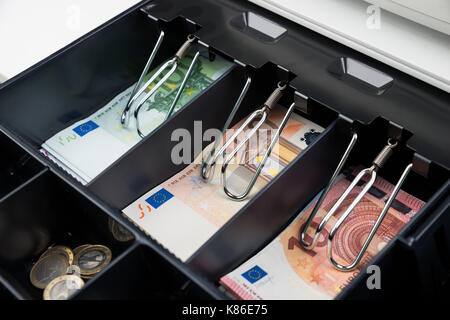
[338,88]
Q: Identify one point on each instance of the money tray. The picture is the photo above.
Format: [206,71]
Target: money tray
[74,82]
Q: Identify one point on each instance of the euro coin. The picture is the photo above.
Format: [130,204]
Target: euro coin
[63,287]
[47,269]
[63,251]
[93,259]
[119,232]
[79,248]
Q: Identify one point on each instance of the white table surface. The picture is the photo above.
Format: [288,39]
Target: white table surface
[31,30]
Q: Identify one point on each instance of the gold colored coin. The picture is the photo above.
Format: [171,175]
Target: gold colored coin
[93,259]
[63,287]
[89,277]
[79,248]
[63,251]
[110,224]
[47,269]
[119,233]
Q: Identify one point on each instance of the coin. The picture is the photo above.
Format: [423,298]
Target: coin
[93,259]
[63,251]
[47,269]
[63,287]
[110,223]
[89,277]
[119,232]
[79,248]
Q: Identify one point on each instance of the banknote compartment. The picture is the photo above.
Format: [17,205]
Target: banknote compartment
[407,261]
[87,75]
[16,165]
[41,213]
[415,263]
[140,275]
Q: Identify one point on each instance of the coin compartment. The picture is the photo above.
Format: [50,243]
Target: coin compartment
[143,274]
[44,212]
[16,166]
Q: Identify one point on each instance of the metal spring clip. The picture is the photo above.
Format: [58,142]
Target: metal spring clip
[378,163]
[208,164]
[261,113]
[172,65]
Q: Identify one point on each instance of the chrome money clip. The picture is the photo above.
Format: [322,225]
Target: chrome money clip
[170,65]
[377,163]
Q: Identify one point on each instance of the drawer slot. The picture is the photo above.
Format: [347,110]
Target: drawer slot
[143,275]
[46,212]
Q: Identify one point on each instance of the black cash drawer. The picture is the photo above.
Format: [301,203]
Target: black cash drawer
[79,79]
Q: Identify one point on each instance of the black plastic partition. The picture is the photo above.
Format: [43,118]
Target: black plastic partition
[79,79]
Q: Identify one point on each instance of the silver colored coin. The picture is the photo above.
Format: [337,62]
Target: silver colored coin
[93,259]
[47,269]
[63,287]
[79,248]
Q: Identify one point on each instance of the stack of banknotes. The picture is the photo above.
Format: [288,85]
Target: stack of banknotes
[284,270]
[89,146]
[183,212]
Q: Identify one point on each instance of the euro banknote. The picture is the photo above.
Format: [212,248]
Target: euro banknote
[183,212]
[284,270]
[90,145]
